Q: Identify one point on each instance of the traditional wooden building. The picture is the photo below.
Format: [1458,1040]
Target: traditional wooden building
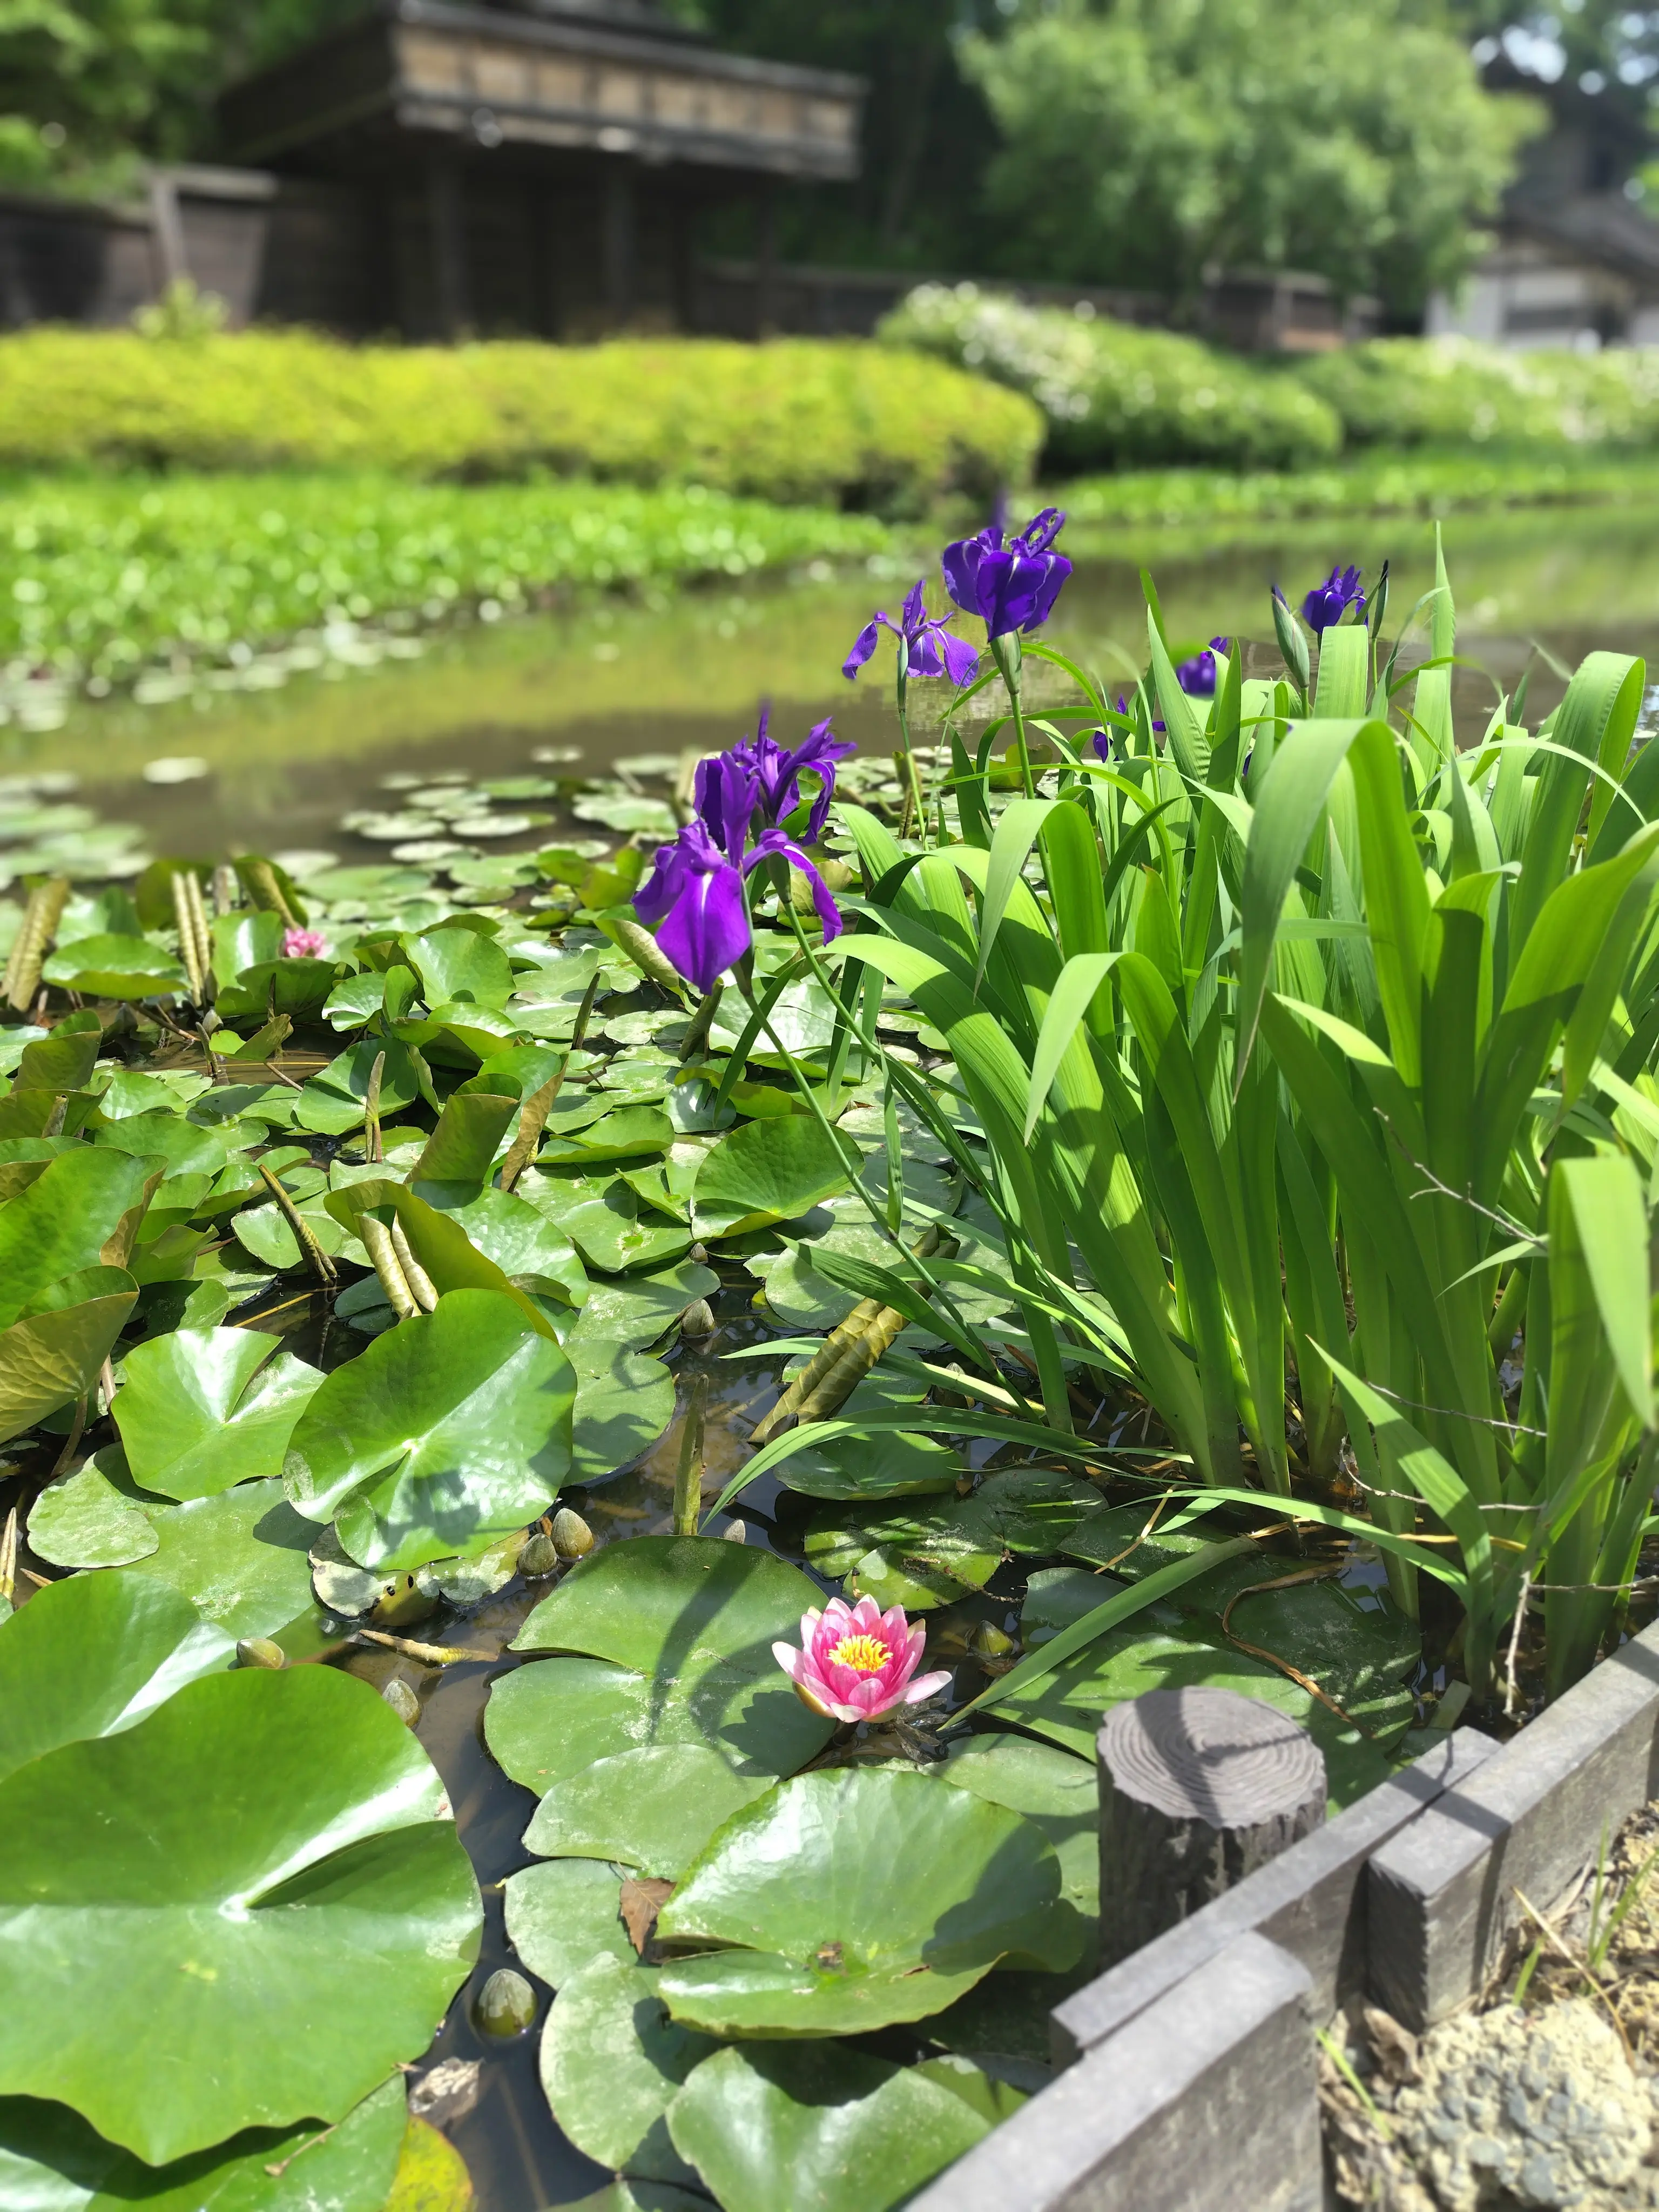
[539,170]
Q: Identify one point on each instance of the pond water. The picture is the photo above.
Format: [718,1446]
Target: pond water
[612,680]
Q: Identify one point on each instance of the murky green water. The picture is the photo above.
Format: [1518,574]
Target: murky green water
[615,680]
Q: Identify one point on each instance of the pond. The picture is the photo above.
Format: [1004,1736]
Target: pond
[580,1276]
[613,680]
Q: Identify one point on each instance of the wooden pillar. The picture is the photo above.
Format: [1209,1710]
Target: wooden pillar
[683,261]
[765,261]
[445,202]
[619,245]
[1198,1788]
[541,214]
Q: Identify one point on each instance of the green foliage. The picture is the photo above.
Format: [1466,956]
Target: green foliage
[105,576]
[1407,391]
[798,421]
[1116,396]
[1144,142]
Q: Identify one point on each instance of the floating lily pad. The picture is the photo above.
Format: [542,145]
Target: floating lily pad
[1060,1794]
[115,967]
[528,1249]
[813,1888]
[92,1656]
[611,2061]
[561,1915]
[51,1354]
[766,1171]
[889,1465]
[623,1134]
[206,1408]
[83,1212]
[460,964]
[82,1519]
[259,1832]
[624,1401]
[51,2162]
[653,1808]
[788,2128]
[240,1558]
[333,1103]
[449,1432]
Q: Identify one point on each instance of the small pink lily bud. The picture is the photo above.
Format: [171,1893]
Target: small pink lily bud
[303,944]
[857,1662]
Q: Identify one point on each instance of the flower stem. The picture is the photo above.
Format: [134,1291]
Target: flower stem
[905,761]
[688,1475]
[1005,652]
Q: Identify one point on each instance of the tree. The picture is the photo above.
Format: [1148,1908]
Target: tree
[1145,140]
[93,85]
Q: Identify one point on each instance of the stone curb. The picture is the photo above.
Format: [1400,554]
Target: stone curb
[1190,2068]
[1442,1894]
[1208,2106]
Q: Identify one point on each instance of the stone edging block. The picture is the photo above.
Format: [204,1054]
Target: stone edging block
[1208,2106]
[1442,1892]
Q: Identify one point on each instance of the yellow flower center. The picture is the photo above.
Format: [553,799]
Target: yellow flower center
[866,1655]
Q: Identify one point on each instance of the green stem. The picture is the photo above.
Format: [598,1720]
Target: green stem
[688,1475]
[1005,652]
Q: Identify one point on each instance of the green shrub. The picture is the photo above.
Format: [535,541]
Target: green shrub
[844,424]
[1402,392]
[1116,397]
[103,576]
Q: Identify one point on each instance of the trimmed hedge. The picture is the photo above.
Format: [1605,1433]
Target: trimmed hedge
[841,424]
[1406,392]
[1119,396]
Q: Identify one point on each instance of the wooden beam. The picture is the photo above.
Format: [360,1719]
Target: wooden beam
[445,202]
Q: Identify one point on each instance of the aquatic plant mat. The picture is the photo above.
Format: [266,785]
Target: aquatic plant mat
[595,1516]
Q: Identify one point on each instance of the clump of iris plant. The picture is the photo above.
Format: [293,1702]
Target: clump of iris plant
[1012,586]
[749,809]
[1327,603]
[927,647]
[856,1662]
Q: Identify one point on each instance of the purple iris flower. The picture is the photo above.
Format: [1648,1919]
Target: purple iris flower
[759,772]
[694,889]
[930,649]
[1123,708]
[1011,586]
[1327,603]
[1196,676]
[1102,743]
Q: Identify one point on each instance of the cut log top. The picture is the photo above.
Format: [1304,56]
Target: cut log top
[1211,1755]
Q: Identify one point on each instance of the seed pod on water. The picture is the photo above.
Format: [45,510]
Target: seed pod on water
[572,1537]
[402,1700]
[736,1532]
[539,1557]
[698,1319]
[989,1640]
[260,1651]
[506,2005]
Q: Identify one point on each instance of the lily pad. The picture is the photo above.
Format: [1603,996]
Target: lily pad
[115,967]
[206,1408]
[623,1134]
[270,1832]
[332,1103]
[783,2128]
[449,1432]
[624,1401]
[612,1235]
[240,1558]
[460,965]
[83,1212]
[51,2162]
[52,1352]
[92,1656]
[611,2061]
[530,1250]
[1060,1794]
[814,1889]
[564,1914]
[888,1465]
[82,1519]
[653,1808]
[766,1171]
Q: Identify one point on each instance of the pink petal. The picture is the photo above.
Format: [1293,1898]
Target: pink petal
[916,1643]
[790,1659]
[894,1626]
[866,1617]
[925,1685]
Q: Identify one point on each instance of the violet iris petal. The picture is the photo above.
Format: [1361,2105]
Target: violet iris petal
[776,770]
[726,793]
[1102,742]
[1196,676]
[778,845]
[697,889]
[1012,587]
[931,649]
[1327,603]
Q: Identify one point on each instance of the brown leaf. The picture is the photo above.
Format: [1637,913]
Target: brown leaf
[1395,2046]
[642,1899]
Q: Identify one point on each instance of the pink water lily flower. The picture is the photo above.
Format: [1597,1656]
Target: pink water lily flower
[301,944]
[856,1661]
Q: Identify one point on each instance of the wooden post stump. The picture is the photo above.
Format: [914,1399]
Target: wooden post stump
[1198,1788]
